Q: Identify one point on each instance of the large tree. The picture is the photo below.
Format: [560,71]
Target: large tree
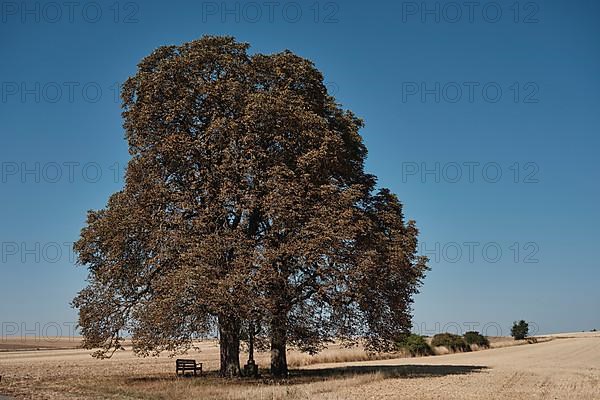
[245,200]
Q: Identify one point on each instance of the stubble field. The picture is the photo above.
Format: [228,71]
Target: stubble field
[566,367]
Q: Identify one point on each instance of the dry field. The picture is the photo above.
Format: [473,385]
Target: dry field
[567,367]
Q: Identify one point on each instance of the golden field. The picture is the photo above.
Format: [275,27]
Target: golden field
[563,366]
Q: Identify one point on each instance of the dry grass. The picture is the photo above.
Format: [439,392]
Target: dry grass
[337,354]
[169,388]
[499,342]
[73,374]
[496,342]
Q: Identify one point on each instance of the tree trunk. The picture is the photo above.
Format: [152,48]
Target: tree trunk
[278,347]
[229,342]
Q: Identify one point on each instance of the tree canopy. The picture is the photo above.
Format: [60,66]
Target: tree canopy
[245,200]
[519,330]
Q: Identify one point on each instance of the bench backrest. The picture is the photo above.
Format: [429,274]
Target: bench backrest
[185,363]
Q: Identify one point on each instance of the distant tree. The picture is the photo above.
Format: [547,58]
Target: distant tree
[519,330]
[415,345]
[473,337]
[450,341]
[245,200]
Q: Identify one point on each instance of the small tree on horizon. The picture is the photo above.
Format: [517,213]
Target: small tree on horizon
[520,330]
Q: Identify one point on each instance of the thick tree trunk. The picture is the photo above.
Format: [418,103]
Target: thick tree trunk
[278,347]
[229,342]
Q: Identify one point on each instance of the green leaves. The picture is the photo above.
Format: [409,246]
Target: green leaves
[519,330]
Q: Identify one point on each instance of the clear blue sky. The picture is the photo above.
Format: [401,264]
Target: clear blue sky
[485,124]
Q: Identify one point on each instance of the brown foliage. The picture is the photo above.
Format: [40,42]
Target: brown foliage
[245,199]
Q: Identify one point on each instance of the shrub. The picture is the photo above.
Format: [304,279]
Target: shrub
[520,330]
[450,341]
[416,345]
[473,337]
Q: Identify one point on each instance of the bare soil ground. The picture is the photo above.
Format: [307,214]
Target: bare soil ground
[567,367]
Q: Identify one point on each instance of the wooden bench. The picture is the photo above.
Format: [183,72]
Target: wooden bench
[187,365]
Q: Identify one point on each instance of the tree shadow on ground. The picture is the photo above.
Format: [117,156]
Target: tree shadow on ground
[301,376]
[388,371]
